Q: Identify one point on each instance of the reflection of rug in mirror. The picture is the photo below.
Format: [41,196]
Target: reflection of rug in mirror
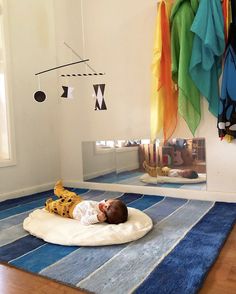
[116,177]
[166,259]
[135,178]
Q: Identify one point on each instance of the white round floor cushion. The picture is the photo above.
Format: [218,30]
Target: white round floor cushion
[64,231]
[146,178]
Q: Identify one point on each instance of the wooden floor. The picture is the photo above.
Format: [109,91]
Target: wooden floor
[222,277]
[15,281]
[220,280]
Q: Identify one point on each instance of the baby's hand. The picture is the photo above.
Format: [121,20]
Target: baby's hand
[101,217]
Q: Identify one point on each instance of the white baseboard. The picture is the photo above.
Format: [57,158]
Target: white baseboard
[127,168]
[99,173]
[26,191]
[170,192]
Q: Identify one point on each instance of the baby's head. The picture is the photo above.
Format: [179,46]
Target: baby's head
[189,174]
[115,211]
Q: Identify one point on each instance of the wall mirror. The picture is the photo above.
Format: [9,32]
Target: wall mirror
[140,162]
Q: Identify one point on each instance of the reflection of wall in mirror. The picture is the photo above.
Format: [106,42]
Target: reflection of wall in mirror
[105,161]
[97,163]
[127,159]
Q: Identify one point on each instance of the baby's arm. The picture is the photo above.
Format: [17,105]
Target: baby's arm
[101,217]
[93,219]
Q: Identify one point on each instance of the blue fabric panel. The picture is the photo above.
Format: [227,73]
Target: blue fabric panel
[23,208]
[37,257]
[43,256]
[180,272]
[130,197]
[164,208]
[14,220]
[91,259]
[39,203]
[97,195]
[89,194]
[81,263]
[19,247]
[12,234]
[184,269]
[130,266]
[145,202]
[25,199]
[110,194]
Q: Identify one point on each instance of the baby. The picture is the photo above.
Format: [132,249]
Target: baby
[169,172]
[87,212]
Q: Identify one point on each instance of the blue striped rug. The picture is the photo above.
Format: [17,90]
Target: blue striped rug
[173,258]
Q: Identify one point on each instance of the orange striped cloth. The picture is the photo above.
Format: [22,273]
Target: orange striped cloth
[164,95]
[226,8]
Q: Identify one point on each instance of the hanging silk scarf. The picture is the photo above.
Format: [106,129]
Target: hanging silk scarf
[226,15]
[171,94]
[157,104]
[163,98]
[182,16]
[227,105]
[208,48]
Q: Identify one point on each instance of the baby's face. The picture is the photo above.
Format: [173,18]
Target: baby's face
[103,205]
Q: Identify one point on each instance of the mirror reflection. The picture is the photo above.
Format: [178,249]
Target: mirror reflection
[176,163]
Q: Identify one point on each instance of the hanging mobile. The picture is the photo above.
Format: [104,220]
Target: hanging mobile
[99,92]
[99,89]
[67,92]
[39,95]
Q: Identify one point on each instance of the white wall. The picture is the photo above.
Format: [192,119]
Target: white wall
[118,41]
[32,49]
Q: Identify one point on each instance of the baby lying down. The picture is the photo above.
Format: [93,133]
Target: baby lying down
[169,172]
[87,212]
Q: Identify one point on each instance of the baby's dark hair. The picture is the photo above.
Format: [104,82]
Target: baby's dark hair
[117,212]
[193,175]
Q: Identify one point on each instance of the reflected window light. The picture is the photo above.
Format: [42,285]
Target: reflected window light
[4,123]
[105,144]
[145,141]
[120,143]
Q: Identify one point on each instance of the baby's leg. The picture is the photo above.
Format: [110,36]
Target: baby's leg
[61,192]
[152,171]
[60,207]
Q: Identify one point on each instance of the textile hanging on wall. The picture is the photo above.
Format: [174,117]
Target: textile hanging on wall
[164,96]
[227,17]
[165,81]
[208,48]
[227,105]
[182,16]
[157,105]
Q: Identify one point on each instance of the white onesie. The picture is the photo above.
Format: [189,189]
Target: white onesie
[174,173]
[86,212]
